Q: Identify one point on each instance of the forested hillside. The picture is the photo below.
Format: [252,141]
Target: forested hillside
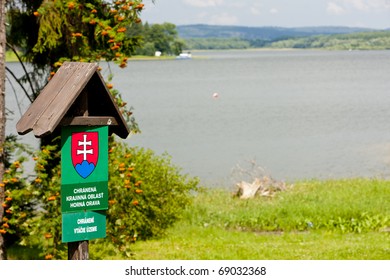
[238,37]
[379,40]
[170,39]
[259,33]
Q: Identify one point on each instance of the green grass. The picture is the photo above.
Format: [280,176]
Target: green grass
[313,220]
[340,219]
[18,252]
[354,205]
[10,57]
[194,243]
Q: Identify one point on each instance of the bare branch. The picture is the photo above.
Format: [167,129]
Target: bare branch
[20,84]
[25,71]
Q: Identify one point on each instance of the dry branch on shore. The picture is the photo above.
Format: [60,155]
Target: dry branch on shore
[264,186]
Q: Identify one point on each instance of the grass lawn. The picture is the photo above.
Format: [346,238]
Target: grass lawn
[193,243]
[313,220]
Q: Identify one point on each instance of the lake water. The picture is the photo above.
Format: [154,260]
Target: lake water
[296,114]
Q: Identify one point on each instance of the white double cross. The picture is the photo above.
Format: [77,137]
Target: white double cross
[84,144]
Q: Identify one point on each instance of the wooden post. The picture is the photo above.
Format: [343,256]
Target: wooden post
[78,250]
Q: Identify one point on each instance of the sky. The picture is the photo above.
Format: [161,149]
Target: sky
[282,13]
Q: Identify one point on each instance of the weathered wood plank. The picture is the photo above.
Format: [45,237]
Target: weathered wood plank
[64,98]
[45,98]
[89,121]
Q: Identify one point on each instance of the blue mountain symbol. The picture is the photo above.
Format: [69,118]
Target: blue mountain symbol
[85,168]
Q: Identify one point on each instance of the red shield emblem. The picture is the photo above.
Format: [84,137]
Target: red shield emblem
[85,152]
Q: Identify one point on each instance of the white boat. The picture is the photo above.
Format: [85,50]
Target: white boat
[184,56]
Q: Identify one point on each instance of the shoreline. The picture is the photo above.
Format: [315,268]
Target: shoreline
[11,57]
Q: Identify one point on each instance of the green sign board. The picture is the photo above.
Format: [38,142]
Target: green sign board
[84,182]
[84,168]
[84,197]
[83,225]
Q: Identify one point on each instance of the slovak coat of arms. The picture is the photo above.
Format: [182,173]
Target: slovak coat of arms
[85,152]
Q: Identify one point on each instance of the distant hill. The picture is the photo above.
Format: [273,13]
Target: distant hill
[260,33]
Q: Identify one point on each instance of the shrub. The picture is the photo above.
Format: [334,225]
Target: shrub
[147,194]
[17,206]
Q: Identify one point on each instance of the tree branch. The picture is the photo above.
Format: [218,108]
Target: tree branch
[20,84]
[25,71]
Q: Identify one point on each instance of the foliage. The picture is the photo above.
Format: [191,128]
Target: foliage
[157,37]
[45,227]
[240,37]
[379,40]
[17,204]
[147,194]
[360,41]
[268,33]
[34,208]
[216,43]
[77,30]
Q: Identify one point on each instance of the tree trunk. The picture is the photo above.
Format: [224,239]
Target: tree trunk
[3,255]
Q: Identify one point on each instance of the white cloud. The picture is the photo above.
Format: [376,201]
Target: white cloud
[378,4]
[255,11]
[223,19]
[203,3]
[274,11]
[334,9]
[360,5]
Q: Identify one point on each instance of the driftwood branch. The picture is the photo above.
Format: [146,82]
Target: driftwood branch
[253,181]
[265,186]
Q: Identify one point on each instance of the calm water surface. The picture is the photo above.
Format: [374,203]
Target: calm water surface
[297,114]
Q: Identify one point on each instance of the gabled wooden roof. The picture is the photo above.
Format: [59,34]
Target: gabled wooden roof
[76,95]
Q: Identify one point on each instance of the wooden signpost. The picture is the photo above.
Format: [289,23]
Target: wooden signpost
[84,189]
[77,101]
